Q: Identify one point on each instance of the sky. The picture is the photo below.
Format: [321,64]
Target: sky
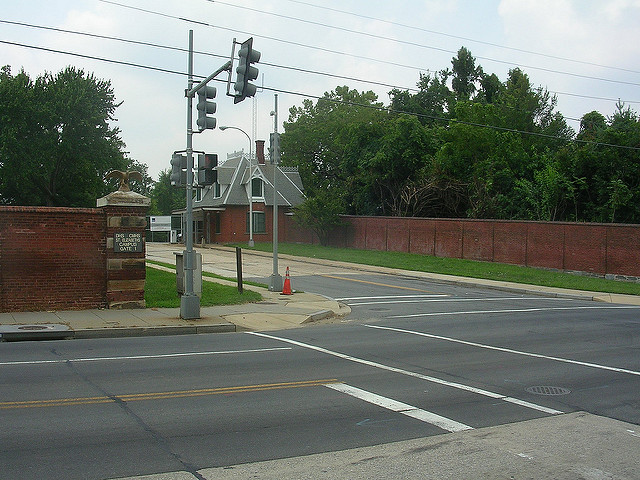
[585,51]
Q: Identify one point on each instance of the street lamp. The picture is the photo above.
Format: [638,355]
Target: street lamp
[276,280]
[251,242]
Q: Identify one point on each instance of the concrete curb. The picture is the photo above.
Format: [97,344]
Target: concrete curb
[549,292]
[118,332]
[16,335]
[320,315]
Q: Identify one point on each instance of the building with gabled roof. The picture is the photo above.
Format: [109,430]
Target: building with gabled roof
[221,211]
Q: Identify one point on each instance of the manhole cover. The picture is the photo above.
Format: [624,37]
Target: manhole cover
[33,327]
[547,390]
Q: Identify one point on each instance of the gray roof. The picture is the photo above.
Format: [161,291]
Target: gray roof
[233,177]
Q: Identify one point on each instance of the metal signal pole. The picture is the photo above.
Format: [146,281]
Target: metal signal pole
[189,301]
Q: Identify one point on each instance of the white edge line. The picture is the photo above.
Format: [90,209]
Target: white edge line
[143,357]
[403,408]
[507,350]
[456,300]
[439,381]
[514,310]
[438,295]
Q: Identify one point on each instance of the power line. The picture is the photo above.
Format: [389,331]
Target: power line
[284,67]
[452,120]
[275,39]
[419,45]
[266,37]
[305,95]
[93,57]
[449,35]
[184,50]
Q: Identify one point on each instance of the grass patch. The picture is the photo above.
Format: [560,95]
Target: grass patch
[212,275]
[454,266]
[160,291]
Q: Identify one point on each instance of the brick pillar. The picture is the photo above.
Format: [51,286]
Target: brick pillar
[125,215]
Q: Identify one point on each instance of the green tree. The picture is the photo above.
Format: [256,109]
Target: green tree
[56,141]
[164,197]
[432,103]
[465,74]
[397,166]
[611,190]
[325,141]
[320,213]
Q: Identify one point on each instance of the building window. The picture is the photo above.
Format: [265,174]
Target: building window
[259,223]
[216,190]
[198,194]
[256,188]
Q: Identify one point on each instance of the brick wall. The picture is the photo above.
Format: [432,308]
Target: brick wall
[64,258]
[51,258]
[587,247]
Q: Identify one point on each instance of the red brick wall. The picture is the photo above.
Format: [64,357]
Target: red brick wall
[51,258]
[587,247]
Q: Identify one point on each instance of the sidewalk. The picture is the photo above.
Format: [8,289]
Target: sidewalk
[274,312]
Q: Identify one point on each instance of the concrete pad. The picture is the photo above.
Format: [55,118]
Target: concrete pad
[259,322]
[41,331]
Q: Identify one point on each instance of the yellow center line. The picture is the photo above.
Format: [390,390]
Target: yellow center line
[378,284]
[60,402]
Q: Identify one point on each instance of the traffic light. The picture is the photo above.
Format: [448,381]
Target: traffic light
[207,174]
[205,107]
[274,148]
[246,72]
[178,170]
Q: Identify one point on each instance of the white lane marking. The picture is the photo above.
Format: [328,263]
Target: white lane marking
[392,296]
[403,408]
[142,357]
[456,300]
[512,310]
[507,350]
[428,378]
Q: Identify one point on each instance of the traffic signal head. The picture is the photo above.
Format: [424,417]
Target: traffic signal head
[205,108]
[207,174]
[178,170]
[274,147]
[245,71]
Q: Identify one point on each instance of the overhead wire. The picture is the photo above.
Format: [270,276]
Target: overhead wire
[185,50]
[419,45]
[305,95]
[285,67]
[458,37]
[548,70]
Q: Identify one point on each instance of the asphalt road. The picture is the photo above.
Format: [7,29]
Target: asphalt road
[414,359]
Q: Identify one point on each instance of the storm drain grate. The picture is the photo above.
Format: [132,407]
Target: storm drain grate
[547,390]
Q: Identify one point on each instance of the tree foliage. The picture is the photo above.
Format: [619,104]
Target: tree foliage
[56,140]
[164,197]
[464,144]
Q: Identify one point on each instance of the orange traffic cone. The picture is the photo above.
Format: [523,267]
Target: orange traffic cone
[286,290]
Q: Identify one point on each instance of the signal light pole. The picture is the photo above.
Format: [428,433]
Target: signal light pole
[189,301]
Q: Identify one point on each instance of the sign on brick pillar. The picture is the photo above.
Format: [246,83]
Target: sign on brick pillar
[125,216]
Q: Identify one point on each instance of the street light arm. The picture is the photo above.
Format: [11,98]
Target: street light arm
[225,127]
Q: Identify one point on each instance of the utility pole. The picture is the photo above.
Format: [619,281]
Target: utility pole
[276,280]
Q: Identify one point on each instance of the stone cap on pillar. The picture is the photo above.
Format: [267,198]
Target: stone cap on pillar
[123,199]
